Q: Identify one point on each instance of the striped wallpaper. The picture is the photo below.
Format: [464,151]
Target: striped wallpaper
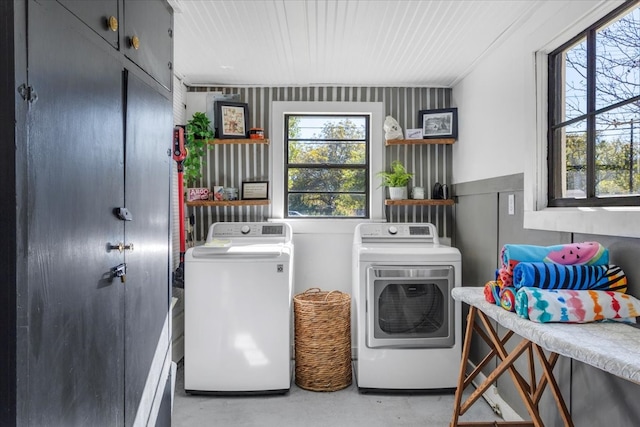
[229,164]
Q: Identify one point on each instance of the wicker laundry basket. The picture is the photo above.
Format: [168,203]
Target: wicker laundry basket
[322,340]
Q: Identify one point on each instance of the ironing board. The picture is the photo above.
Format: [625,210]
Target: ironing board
[610,346]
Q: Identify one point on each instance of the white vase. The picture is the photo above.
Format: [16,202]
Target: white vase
[398,193]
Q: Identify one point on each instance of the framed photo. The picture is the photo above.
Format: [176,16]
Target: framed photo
[414,134]
[442,123]
[231,119]
[255,190]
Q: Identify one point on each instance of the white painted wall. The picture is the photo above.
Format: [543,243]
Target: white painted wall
[496,100]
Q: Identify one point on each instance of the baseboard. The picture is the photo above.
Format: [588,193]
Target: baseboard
[493,398]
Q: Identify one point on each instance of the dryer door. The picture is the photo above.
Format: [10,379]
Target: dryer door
[410,306]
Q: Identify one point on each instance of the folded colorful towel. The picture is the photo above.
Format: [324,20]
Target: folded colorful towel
[508,299]
[492,292]
[586,253]
[578,277]
[566,305]
[505,276]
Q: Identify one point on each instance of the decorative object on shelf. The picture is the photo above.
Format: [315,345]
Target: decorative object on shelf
[441,123]
[255,190]
[445,191]
[215,97]
[230,193]
[414,134]
[197,132]
[256,133]
[417,193]
[218,192]
[232,119]
[197,194]
[440,191]
[437,191]
[392,129]
[396,180]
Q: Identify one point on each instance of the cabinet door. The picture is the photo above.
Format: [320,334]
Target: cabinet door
[96,14]
[147,290]
[73,323]
[152,23]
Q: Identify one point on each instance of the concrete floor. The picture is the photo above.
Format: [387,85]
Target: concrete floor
[304,408]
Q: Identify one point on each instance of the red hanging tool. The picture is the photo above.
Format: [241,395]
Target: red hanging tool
[179,154]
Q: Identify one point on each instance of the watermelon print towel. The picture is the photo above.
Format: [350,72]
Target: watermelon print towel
[586,253]
[566,305]
[577,277]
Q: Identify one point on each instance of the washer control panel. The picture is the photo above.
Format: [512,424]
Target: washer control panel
[248,229]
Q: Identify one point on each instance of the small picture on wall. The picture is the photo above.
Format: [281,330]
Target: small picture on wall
[442,123]
[232,119]
[255,190]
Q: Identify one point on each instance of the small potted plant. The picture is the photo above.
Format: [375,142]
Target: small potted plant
[197,132]
[396,180]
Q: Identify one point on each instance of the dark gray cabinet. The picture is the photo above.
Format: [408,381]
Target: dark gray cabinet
[147,36]
[100,15]
[142,30]
[85,131]
[147,178]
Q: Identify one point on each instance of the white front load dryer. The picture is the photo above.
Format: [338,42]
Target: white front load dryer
[407,325]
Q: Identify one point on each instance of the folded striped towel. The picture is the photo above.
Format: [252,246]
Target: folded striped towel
[577,277]
[566,305]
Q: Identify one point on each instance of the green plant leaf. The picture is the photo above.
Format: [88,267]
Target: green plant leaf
[398,177]
[197,132]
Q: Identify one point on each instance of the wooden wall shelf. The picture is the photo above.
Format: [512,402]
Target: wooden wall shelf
[238,141]
[419,202]
[217,203]
[419,141]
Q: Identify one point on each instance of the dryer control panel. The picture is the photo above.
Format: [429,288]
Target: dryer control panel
[413,232]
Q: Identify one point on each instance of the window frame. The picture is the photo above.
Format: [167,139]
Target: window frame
[328,166]
[537,215]
[311,225]
[555,84]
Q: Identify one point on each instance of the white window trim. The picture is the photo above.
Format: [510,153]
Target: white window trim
[611,221]
[276,154]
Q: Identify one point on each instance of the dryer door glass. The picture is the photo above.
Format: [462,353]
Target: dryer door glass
[410,306]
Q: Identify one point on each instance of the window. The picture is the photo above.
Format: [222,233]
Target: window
[594,115]
[326,168]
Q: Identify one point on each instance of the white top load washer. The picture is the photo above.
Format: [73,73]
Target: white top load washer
[238,293]
[407,325]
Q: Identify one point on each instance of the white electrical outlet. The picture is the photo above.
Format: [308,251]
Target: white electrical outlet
[512,204]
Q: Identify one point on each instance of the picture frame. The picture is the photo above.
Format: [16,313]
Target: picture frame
[255,190]
[414,133]
[231,119]
[440,123]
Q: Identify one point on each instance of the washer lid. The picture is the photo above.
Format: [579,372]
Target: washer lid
[253,251]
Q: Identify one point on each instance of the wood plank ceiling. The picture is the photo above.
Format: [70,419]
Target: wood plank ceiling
[338,42]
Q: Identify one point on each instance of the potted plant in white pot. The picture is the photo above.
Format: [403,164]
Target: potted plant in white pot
[396,180]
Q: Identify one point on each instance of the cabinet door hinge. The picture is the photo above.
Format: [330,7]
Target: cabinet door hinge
[28,93]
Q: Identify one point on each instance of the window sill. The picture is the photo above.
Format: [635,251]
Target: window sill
[611,221]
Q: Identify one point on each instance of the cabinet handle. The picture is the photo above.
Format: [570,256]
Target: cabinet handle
[120,247]
[112,23]
[134,42]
